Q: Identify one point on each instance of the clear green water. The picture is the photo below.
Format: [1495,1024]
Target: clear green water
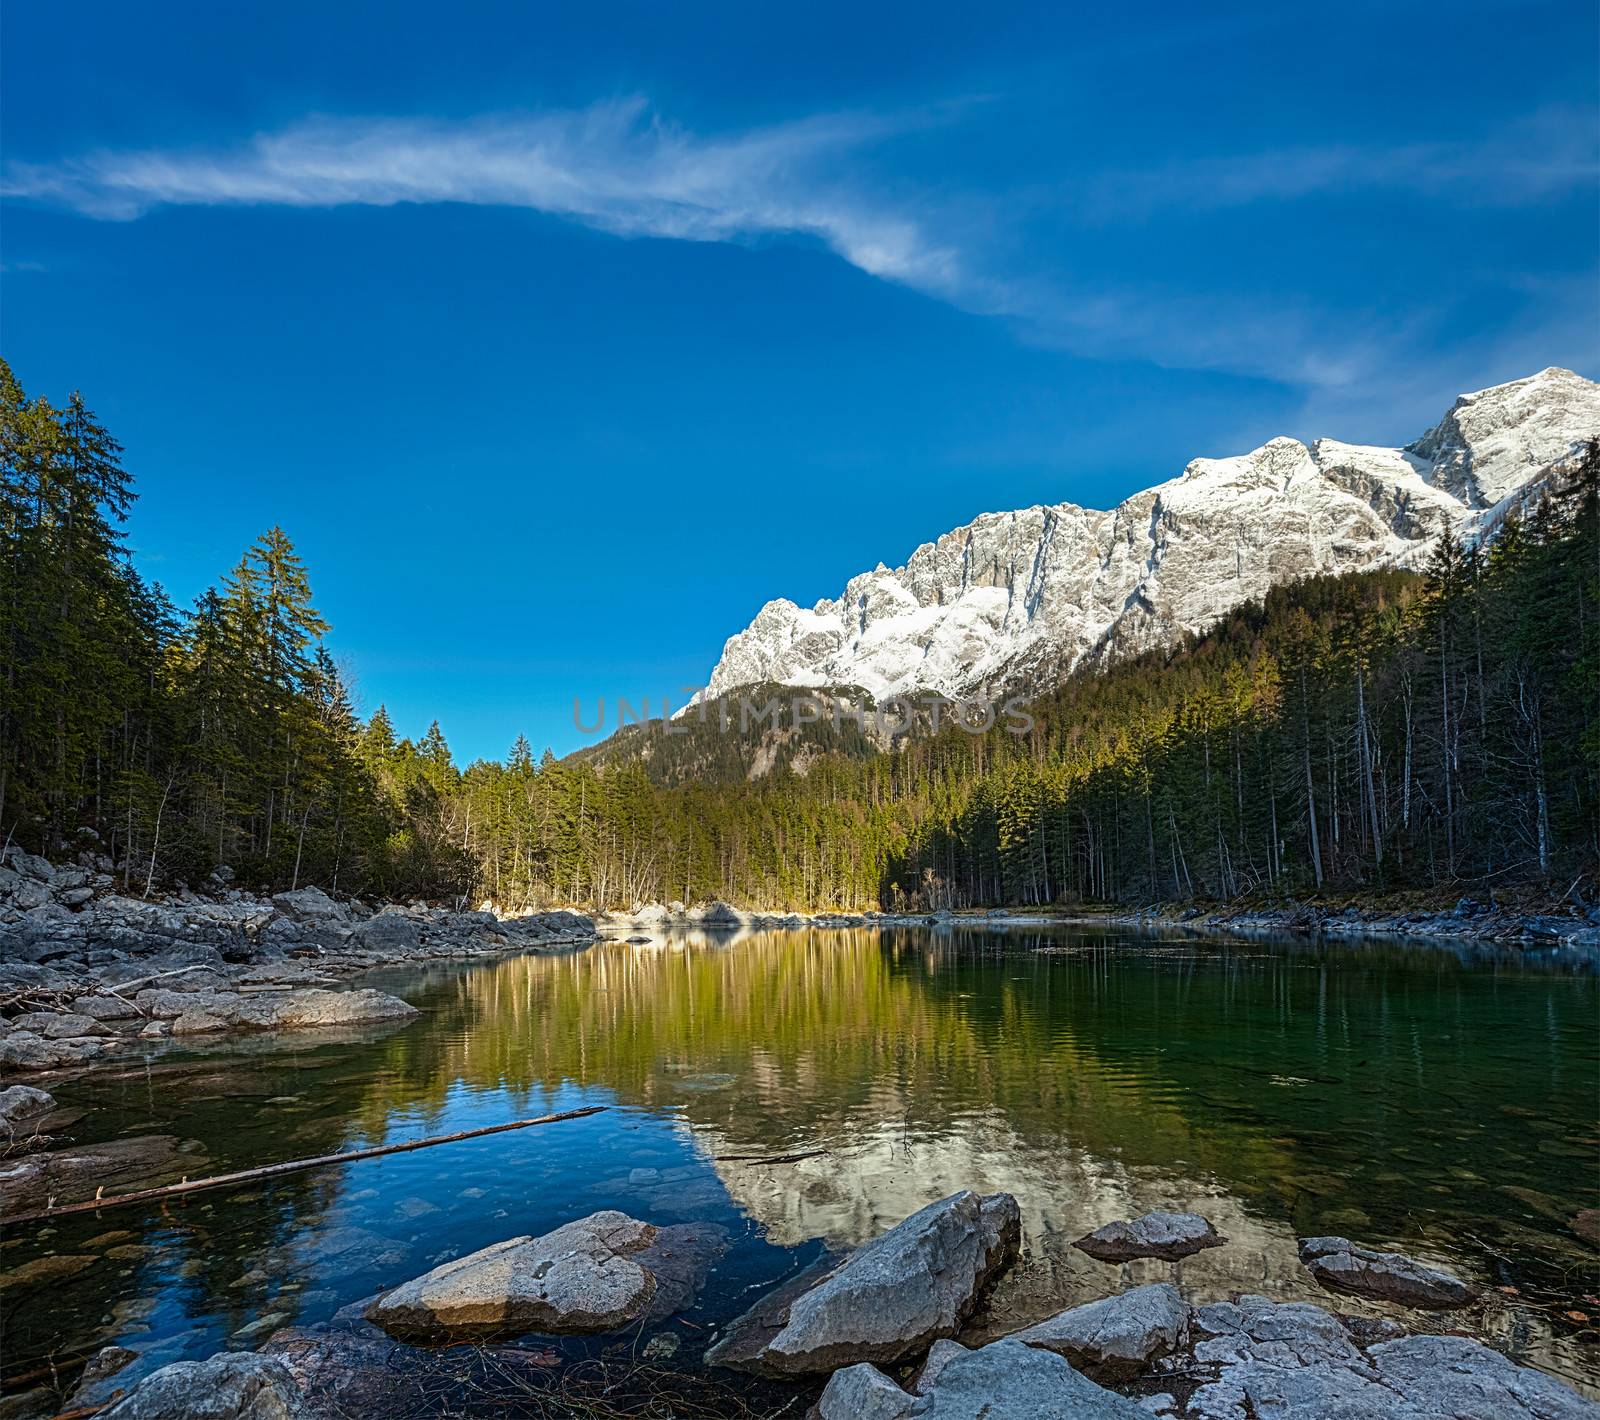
[1440,1100]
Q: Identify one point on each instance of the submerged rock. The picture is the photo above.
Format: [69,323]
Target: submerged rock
[1344,1266]
[597,1274]
[887,1301]
[235,1385]
[1169,1236]
[21,1103]
[55,1267]
[1005,1380]
[1586,1224]
[97,1382]
[1116,1335]
[119,1166]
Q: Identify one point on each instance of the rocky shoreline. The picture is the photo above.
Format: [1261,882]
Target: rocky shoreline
[1469,919]
[86,970]
[874,1334]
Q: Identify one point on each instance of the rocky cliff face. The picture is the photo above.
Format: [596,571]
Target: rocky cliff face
[1025,597]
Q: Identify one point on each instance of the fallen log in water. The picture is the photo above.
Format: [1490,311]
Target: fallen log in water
[768,1158]
[225,1180]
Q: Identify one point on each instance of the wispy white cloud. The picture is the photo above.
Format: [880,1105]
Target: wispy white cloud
[1546,154]
[614,166]
[620,168]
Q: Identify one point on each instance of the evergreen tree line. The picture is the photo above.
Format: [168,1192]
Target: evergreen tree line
[1363,733]
[1369,732]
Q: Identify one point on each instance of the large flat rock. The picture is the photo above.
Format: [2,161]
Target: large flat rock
[886,1302]
[207,1012]
[593,1275]
[1345,1266]
[297,1009]
[1283,1361]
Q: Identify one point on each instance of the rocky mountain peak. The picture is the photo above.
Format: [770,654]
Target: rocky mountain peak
[1023,597]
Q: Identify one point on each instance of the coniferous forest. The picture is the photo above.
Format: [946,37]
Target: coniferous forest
[1368,733]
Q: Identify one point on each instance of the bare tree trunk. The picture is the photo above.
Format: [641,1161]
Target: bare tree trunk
[155,842]
[1366,767]
[1311,787]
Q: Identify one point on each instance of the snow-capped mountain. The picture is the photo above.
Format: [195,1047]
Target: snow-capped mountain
[1024,597]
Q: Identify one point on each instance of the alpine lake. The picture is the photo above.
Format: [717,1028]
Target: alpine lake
[805,1090]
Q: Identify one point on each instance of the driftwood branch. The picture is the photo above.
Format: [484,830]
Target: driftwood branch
[768,1158]
[159,976]
[227,1180]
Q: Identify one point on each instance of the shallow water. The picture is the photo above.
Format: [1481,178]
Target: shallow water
[1442,1100]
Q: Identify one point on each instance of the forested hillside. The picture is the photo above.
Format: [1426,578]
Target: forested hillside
[1376,731]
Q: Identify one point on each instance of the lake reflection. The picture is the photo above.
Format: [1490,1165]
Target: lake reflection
[1442,1101]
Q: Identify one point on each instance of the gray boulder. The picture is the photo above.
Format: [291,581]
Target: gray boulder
[32,865]
[23,1050]
[1278,1361]
[29,894]
[567,923]
[863,1392]
[1002,1381]
[308,904]
[1451,1375]
[886,1302]
[207,1011]
[389,932]
[71,1026]
[1343,1266]
[1117,1335]
[589,1276]
[197,1022]
[235,1385]
[168,1002]
[650,914]
[1169,1236]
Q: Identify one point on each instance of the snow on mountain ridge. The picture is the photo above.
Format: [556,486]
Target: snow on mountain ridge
[1029,594]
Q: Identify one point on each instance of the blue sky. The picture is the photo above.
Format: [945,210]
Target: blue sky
[561,337]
